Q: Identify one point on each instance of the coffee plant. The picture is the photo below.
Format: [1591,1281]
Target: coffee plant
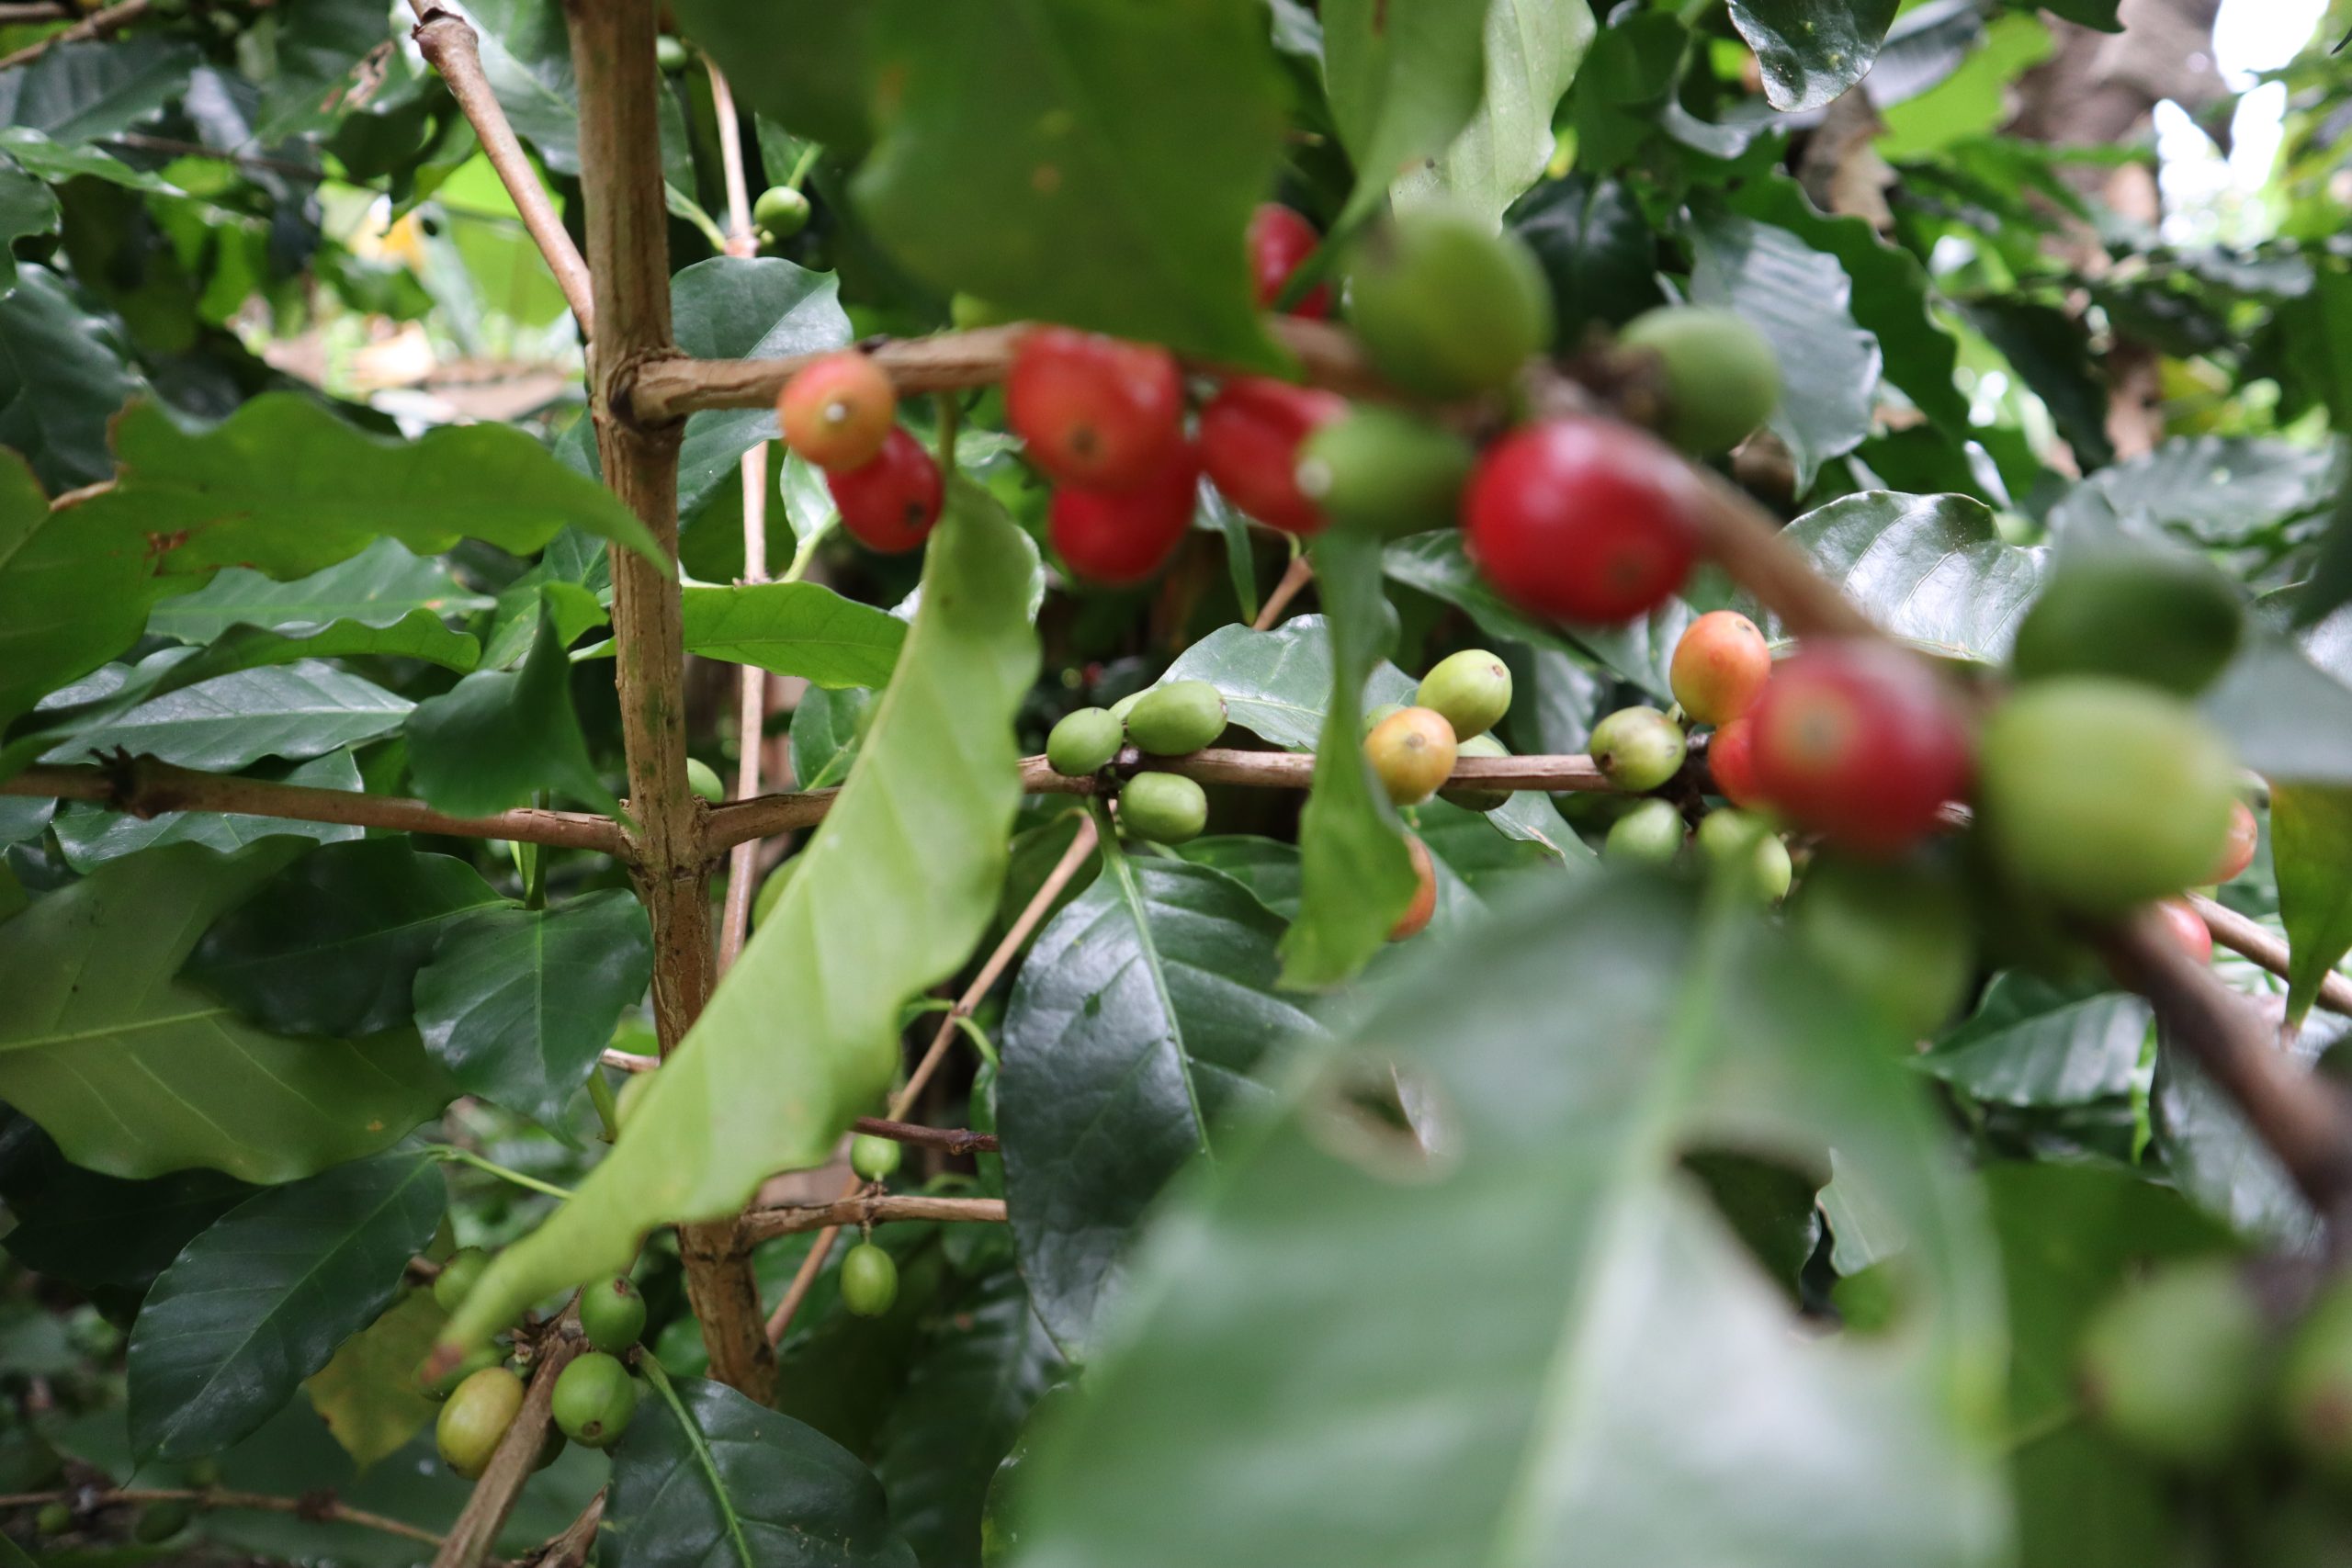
[935,784]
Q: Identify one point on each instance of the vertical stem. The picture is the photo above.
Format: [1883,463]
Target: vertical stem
[620,152]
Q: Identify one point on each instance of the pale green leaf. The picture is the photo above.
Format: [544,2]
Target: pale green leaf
[794,628]
[1534,48]
[2311,844]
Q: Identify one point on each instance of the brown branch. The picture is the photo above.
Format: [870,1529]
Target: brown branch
[98,24]
[30,11]
[2250,940]
[792,1219]
[1295,576]
[574,1547]
[628,259]
[947,1140]
[450,45]
[517,1455]
[146,787]
[317,1507]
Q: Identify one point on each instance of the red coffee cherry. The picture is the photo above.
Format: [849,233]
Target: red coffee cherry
[1095,411]
[1861,742]
[1581,519]
[838,410]
[1416,917]
[2188,928]
[1120,536]
[1720,667]
[1731,759]
[2246,836]
[1250,439]
[1280,243]
[890,503]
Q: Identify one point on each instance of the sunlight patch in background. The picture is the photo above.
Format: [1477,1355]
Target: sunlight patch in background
[2210,199]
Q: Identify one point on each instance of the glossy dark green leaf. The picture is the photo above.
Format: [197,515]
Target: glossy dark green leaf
[739,308]
[2311,844]
[382,586]
[526,56]
[328,52]
[2033,1043]
[741,1487]
[916,840]
[92,835]
[27,207]
[79,92]
[2099,13]
[1277,683]
[1532,50]
[136,1072]
[518,1003]
[975,1374]
[1267,867]
[63,376]
[825,733]
[72,595]
[2217,490]
[1404,77]
[802,63]
[795,629]
[1930,569]
[95,1231]
[260,1301]
[499,737]
[1434,563]
[1355,875]
[1812,50]
[332,945]
[2287,718]
[2050,352]
[1080,162]
[1598,250]
[1616,1373]
[1143,1021]
[296,711]
[1801,300]
[2215,1158]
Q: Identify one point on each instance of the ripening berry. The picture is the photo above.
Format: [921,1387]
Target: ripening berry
[1860,742]
[1650,834]
[595,1397]
[1095,411]
[1083,742]
[889,505]
[838,409]
[1178,716]
[1720,377]
[870,1281]
[2175,1365]
[612,1313]
[873,1159]
[475,1419]
[1116,537]
[1280,243]
[1445,306]
[1731,763]
[1639,749]
[1251,435]
[1720,667]
[2245,837]
[1412,750]
[1582,519]
[2187,928]
[1162,809]
[1471,688]
[1416,917]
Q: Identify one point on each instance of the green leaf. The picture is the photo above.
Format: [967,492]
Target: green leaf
[420,635]
[2216,490]
[260,1301]
[366,1392]
[27,207]
[802,63]
[1534,48]
[1597,249]
[2217,1160]
[2311,844]
[526,56]
[1355,875]
[382,586]
[55,161]
[1267,867]
[1800,299]
[741,307]
[295,711]
[92,835]
[2050,352]
[63,377]
[1277,683]
[95,1231]
[72,595]
[518,1003]
[499,737]
[330,59]
[825,734]
[1812,50]
[1404,77]
[795,629]
[2033,1043]
[1617,1373]
[1435,563]
[2286,718]
[732,1485]
[916,840]
[1080,162]
[1144,1019]
[1930,569]
[284,487]
[332,945]
[80,91]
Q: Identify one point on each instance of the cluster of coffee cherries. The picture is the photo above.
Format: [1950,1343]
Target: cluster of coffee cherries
[840,413]
[1413,750]
[595,1395]
[1171,719]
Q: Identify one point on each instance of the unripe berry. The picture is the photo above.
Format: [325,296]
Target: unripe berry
[1095,411]
[873,1159]
[889,505]
[1637,748]
[1720,667]
[595,1397]
[1650,834]
[781,212]
[612,1313]
[2245,837]
[1178,717]
[440,1388]
[2187,928]
[771,894]
[1743,848]
[2174,1366]
[1280,242]
[1446,307]
[1582,519]
[1720,377]
[458,1276]
[475,1419]
[1731,763]
[1469,798]
[1898,934]
[1084,742]
[870,1281]
[2134,609]
[1382,471]
[1412,751]
[1121,536]
[1162,809]
[1251,435]
[1860,742]
[54,1518]
[1416,917]
[670,54]
[1471,688]
[704,780]
[838,410]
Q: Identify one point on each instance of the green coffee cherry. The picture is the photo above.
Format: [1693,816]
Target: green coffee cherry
[2136,611]
[458,1276]
[669,52]
[1637,748]
[1478,799]
[1471,688]
[782,211]
[1446,307]
[595,1397]
[1181,717]
[612,1314]
[2315,1384]
[704,781]
[870,1281]
[873,1159]
[1898,934]
[2174,1366]
[1162,809]
[1743,846]
[1084,742]
[475,1420]
[476,1359]
[54,1518]
[158,1522]
[1650,834]
[1382,471]
[771,892]
[1722,378]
